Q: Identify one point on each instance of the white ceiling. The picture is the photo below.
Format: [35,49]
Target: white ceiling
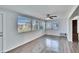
[40,11]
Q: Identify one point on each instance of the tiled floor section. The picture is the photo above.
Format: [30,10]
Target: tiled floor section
[48,44]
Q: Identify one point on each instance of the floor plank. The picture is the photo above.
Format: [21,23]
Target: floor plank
[48,44]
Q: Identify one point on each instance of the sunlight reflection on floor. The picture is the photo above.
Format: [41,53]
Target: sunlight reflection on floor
[53,45]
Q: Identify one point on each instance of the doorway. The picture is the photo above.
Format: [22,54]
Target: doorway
[74,31]
[1,32]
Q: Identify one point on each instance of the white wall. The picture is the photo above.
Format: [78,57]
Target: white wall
[78,25]
[63,26]
[13,38]
[51,32]
[69,36]
[61,29]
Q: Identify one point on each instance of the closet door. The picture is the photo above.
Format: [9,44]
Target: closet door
[1,32]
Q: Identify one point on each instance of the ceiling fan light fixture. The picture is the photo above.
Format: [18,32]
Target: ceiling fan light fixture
[47,18]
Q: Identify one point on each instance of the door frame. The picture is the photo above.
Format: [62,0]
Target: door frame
[69,35]
[4,30]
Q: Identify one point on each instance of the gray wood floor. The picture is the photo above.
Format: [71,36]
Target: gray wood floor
[48,44]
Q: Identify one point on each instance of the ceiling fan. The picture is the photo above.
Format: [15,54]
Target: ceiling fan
[50,16]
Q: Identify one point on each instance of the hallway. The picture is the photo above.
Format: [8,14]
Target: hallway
[48,44]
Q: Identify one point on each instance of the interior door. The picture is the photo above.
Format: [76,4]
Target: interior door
[1,31]
[74,31]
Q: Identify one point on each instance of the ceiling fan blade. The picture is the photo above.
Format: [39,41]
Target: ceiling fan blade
[53,16]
